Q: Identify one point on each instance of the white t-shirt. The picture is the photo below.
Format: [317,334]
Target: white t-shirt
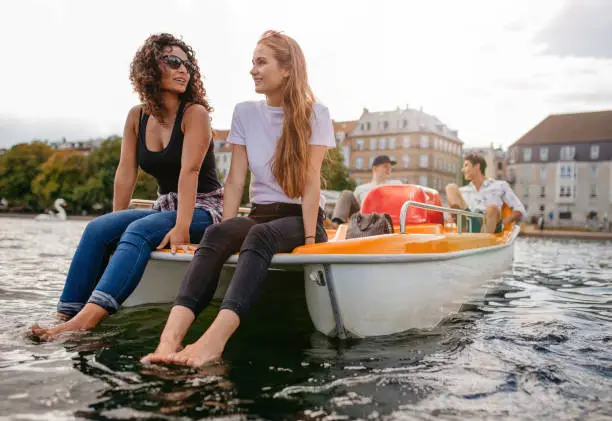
[361,191]
[258,126]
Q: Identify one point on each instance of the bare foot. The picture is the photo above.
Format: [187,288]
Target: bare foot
[48,334]
[161,353]
[86,319]
[197,354]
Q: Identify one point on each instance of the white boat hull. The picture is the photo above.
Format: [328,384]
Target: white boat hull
[384,299]
[359,295]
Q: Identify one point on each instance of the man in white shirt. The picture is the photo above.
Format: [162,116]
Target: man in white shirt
[350,202]
[484,196]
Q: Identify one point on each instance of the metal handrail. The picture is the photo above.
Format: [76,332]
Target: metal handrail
[147,204]
[426,206]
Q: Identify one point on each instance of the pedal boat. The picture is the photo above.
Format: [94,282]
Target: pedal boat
[377,285]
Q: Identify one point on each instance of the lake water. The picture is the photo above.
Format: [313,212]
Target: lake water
[539,349]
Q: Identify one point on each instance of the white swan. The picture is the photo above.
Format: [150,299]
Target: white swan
[50,216]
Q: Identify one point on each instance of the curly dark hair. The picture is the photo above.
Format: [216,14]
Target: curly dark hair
[145,74]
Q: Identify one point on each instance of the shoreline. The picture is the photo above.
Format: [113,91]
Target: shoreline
[31,216]
[533,231]
[526,230]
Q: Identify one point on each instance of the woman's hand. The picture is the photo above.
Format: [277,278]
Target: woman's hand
[178,237]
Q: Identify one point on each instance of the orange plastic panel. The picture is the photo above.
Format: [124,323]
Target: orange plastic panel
[406,244]
[390,198]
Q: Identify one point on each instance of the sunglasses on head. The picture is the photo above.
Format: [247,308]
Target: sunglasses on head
[174,62]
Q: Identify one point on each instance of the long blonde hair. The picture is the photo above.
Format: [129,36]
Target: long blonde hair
[290,165]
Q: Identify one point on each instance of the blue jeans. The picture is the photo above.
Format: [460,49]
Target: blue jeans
[129,235]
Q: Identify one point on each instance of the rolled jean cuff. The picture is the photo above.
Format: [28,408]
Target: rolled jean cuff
[104,300]
[69,309]
[232,305]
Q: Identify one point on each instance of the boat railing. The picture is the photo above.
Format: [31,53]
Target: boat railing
[148,204]
[459,212]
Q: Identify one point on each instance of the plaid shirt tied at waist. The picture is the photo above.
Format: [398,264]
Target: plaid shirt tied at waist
[211,202]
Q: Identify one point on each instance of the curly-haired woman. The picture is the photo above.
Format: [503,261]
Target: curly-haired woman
[169,137]
[283,140]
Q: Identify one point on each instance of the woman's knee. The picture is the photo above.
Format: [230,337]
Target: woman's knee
[99,227]
[217,232]
[260,238]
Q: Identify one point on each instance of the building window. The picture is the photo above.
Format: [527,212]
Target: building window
[594,171]
[373,144]
[568,153]
[359,163]
[500,166]
[424,141]
[404,179]
[565,191]
[385,125]
[513,155]
[566,171]
[424,161]
[544,153]
[593,190]
[527,173]
[360,144]
[526,154]
[358,181]
[526,191]
[594,151]
[392,143]
[370,162]
[423,180]
[565,215]
[382,145]
[406,161]
[404,123]
[543,173]
[368,126]
[406,141]
[542,191]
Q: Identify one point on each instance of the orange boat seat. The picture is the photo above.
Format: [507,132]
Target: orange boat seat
[389,199]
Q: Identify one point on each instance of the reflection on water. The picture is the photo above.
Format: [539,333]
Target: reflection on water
[537,348]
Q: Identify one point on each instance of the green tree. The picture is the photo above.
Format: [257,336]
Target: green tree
[334,173]
[102,164]
[18,168]
[59,177]
[146,186]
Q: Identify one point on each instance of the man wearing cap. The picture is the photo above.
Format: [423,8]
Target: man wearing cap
[349,202]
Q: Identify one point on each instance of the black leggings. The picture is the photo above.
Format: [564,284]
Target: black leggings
[269,229]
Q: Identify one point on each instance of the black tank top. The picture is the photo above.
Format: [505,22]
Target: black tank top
[165,165]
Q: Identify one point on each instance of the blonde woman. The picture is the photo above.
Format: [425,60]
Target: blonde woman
[282,140]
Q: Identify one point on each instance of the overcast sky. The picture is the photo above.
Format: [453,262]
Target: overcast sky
[490,69]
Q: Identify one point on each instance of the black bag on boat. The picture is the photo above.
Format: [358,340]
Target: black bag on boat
[366,225]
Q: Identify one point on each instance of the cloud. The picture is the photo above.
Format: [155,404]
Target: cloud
[582,29]
[480,66]
[18,130]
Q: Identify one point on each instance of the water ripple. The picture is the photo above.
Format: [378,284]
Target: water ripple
[538,347]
